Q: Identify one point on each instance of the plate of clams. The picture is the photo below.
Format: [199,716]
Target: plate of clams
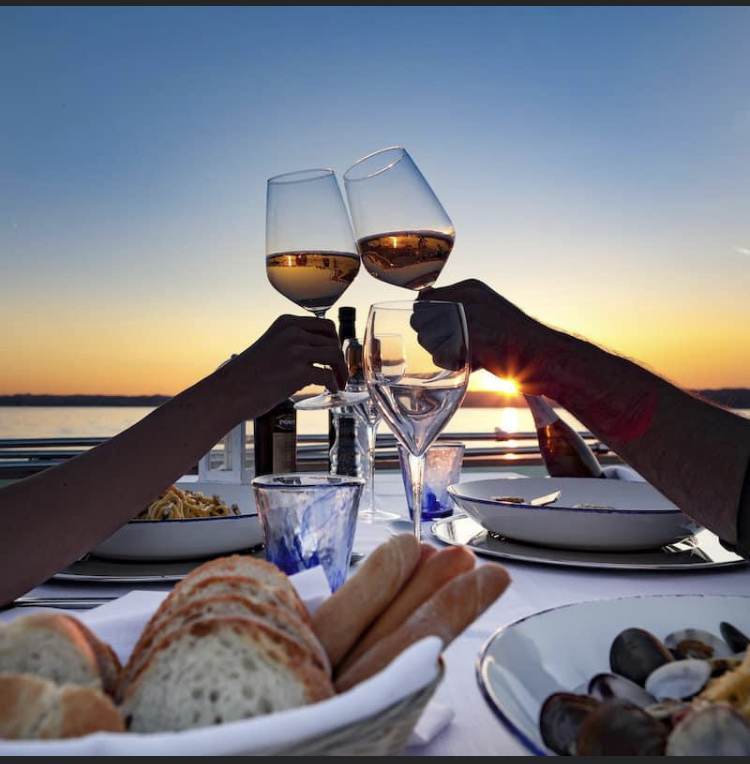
[660,675]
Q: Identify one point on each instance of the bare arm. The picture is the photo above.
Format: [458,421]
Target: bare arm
[694,452]
[53,518]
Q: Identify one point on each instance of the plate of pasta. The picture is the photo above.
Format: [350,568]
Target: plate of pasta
[188,521]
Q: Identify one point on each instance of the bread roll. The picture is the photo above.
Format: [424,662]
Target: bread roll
[432,574]
[32,708]
[445,615]
[345,615]
[219,671]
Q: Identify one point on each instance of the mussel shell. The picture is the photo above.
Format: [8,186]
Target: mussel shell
[609,686]
[618,728]
[667,710]
[636,653]
[561,717]
[736,640]
[717,730]
[679,680]
[696,643]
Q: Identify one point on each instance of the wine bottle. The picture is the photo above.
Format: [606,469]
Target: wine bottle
[347,330]
[563,450]
[275,439]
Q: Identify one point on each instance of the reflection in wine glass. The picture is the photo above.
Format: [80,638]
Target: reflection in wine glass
[403,233]
[417,385]
[311,257]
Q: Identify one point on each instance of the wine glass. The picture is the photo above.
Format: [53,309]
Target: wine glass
[403,233]
[310,253]
[369,414]
[417,368]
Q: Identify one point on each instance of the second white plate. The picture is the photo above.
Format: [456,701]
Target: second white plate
[620,515]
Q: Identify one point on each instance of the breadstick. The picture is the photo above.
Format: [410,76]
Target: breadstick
[343,617]
[445,615]
[431,575]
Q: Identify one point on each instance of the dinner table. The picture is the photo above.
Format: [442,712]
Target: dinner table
[475,729]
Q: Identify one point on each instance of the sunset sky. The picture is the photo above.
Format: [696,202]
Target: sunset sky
[595,164]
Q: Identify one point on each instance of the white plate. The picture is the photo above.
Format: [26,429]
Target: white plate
[641,517]
[189,539]
[522,664]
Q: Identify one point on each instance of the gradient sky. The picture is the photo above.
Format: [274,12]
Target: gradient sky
[595,163]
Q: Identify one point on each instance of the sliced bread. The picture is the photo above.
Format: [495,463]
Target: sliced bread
[219,606]
[221,670]
[50,646]
[32,708]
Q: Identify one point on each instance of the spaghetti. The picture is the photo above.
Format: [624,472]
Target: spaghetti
[175,504]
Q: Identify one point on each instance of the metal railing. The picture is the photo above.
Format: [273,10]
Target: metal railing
[20,457]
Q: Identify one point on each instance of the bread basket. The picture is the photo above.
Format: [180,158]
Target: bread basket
[384,734]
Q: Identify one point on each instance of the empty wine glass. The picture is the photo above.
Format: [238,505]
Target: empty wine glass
[416,365]
[403,233]
[311,257]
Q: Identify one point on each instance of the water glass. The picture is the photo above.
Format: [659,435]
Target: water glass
[309,520]
[442,468]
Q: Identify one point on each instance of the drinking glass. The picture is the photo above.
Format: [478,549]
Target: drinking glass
[311,257]
[403,233]
[416,365]
[369,414]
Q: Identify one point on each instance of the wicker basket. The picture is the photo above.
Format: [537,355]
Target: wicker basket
[384,734]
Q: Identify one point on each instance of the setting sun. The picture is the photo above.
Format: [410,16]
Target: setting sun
[485,381]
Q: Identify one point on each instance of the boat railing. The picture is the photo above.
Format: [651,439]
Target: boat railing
[20,457]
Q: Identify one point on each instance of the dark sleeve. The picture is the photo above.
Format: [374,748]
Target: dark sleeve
[742,547]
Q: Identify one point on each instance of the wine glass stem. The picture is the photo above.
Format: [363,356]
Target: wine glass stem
[416,467]
[371,430]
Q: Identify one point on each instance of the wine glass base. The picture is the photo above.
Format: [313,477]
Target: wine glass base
[377,516]
[331,401]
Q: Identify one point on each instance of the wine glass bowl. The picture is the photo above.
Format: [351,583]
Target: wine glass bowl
[416,365]
[404,234]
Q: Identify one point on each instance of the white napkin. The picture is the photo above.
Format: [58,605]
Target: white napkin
[120,622]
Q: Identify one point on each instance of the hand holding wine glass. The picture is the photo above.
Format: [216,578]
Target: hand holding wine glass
[310,253]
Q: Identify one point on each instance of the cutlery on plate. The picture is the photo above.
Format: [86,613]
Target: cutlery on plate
[541,501]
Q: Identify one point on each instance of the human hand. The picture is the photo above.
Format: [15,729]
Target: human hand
[294,352]
[502,338]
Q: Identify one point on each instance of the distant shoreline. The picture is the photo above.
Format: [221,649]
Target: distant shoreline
[736,398]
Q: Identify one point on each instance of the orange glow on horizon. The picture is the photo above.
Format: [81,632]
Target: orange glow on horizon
[484,381]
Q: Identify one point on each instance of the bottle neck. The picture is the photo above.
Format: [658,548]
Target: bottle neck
[544,415]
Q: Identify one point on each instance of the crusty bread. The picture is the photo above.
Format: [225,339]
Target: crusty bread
[109,663]
[50,646]
[218,671]
[220,606]
[345,615]
[267,575]
[433,573]
[445,615]
[32,708]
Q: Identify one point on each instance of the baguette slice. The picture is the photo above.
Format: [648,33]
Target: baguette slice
[109,664]
[50,646]
[221,606]
[266,573]
[432,574]
[32,708]
[345,615]
[445,615]
[219,671]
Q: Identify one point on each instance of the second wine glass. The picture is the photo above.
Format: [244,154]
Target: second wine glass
[311,257]
[403,233]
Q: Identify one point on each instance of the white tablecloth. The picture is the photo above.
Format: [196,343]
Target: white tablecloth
[475,730]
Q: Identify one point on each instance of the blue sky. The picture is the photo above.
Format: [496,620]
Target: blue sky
[594,162]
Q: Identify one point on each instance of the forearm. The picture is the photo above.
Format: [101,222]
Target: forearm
[53,518]
[692,451]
